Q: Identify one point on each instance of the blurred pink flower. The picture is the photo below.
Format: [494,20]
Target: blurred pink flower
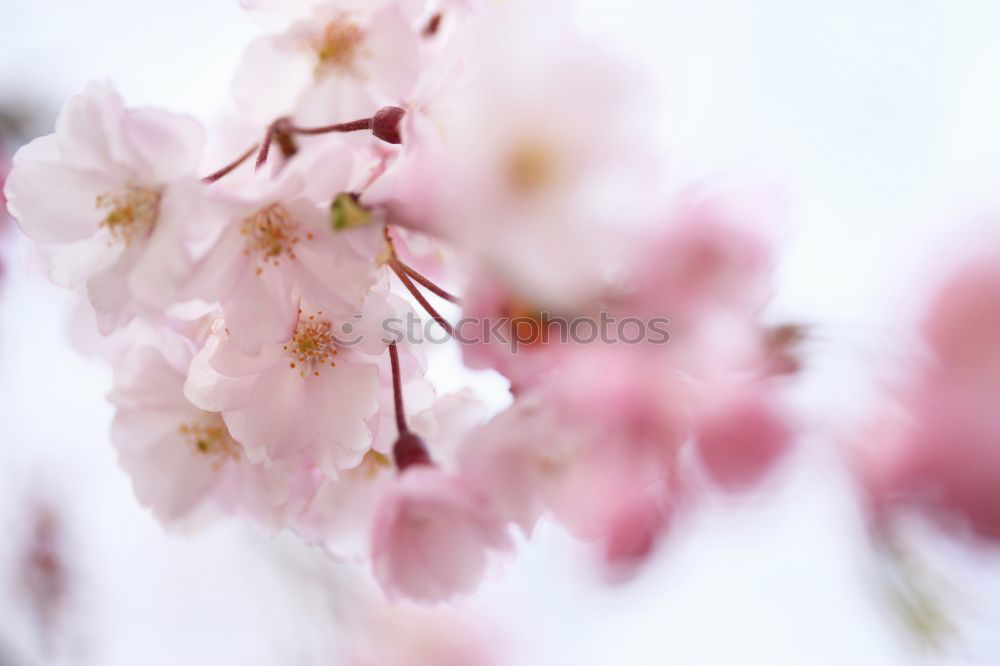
[432,535]
[714,253]
[113,199]
[740,437]
[527,177]
[941,452]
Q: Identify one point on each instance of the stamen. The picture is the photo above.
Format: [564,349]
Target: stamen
[132,214]
[271,233]
[312,345]
[530,169]
[337,47]
[210,437]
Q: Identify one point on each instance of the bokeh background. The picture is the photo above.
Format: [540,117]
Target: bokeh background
[878,119]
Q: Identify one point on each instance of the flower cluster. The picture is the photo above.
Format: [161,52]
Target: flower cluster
[403,145]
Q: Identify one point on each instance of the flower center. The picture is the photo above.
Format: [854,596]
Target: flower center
[211,438]
[529,325]
[530,169]
[337,47]
[312,345]
[131,213]
[271,233]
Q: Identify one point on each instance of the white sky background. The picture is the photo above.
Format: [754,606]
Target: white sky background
[879,118]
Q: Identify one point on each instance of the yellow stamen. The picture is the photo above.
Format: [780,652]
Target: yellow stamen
[271,233]
[131,214]
[210,437]
[337,47]
[312,346]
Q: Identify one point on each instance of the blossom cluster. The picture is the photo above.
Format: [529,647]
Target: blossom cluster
[402,145]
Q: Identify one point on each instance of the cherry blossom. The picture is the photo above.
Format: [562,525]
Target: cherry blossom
[278,239]
[127,202]
[432,535]
[308,394]
[338,62]
[184,463]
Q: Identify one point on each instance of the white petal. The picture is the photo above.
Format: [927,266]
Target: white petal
[210,390]
[275,418]
[270,79]
[54,202]
[109,292]
[394,61]
[261,310]
[89,130]
[215,276]
[166,263]
[340,400]
[164,145]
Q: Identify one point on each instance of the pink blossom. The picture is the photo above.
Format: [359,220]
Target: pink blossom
[278,240]
[518,172]
[432,536]
[113,199]
[740,437]
[523,348]
[308,394]
[184,462]
[939,451]
[713,253]
[338,62]
[569,449]
[636,518]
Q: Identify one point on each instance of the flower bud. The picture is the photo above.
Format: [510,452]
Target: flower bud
[346,212]
[385,123]
[409,450]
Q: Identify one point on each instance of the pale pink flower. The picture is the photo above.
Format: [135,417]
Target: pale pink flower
[279,241]
[184,463]
[338,63]
[113,199]
[313,393]
[740,437]
[341,513]
[432,536]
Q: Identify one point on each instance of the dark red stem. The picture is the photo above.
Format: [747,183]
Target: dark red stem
[412,288]
[397,389]
[352,126]
[265,146]
[425,281]
[212,177]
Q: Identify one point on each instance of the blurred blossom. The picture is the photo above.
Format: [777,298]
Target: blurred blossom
[939,450]
[45,574]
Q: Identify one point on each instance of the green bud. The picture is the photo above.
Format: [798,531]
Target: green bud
[347,213]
